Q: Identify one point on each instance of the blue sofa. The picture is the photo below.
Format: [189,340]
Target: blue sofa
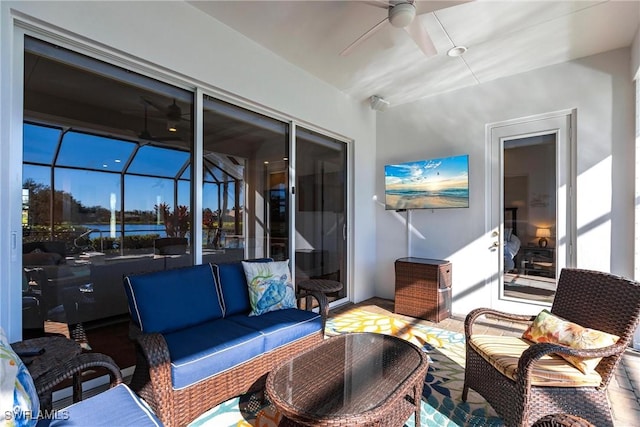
[197,346]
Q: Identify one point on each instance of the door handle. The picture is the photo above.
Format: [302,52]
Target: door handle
[494,245]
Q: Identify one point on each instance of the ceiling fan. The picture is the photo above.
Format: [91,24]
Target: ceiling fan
[401,14]
[146,135]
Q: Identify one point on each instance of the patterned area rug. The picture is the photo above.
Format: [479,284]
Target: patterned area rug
[441,403]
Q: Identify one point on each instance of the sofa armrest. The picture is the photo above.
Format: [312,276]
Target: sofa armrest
[152,377]
[323,305]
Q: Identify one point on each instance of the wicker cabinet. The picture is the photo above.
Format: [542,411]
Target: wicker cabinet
[423,288]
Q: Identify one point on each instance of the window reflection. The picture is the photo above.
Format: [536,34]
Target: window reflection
[105,185]
[159,161]
[88,151]
[243,151]
[40,143]
[108,190]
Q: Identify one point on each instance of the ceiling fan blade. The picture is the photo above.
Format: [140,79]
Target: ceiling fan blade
[167,138]
[421,37]
[383,4]
[155,105]
[364,37]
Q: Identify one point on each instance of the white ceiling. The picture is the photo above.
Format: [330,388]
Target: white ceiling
[503,38]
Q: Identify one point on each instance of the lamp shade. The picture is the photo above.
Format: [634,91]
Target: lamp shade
[543,232]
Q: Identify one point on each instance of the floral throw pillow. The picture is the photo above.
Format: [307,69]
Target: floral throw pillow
[19,404]
[547,327]
[270,286]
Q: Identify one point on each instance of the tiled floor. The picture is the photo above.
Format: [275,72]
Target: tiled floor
[624,389]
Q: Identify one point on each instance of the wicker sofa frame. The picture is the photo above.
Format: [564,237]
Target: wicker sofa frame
[592,299]
[179,407]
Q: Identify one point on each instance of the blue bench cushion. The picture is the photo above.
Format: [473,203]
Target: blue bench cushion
[282,326]
[233,285]
[207,349]
[170,300]
[118,406]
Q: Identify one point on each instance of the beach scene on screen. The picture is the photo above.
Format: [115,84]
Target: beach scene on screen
[428,184]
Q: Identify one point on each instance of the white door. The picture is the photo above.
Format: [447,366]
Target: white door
[559,229]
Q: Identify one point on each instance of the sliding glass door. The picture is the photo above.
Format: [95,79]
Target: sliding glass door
[115,182]
[321,226]
[245,171]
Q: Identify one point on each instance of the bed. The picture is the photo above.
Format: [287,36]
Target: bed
[511,241]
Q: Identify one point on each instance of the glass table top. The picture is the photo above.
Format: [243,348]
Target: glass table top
[346,375]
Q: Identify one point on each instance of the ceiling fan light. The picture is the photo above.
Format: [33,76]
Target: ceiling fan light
[172,125]
[402,14]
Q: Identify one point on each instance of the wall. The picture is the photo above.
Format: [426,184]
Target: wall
[599,87]
[175,37]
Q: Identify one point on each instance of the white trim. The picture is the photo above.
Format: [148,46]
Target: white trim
[293,196]
[197,176]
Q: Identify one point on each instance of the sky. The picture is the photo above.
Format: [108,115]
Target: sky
[94,187]
[432,174]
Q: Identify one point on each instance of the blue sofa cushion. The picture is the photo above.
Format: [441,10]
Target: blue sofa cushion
[233,285]
[207,349]
[170,300]
[282,326]
[118,406]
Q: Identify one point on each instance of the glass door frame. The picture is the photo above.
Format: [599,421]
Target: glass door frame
[562,123]
[347,278]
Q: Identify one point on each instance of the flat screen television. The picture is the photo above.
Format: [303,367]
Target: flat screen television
[427,184]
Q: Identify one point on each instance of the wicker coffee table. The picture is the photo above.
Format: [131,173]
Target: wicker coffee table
[357,379]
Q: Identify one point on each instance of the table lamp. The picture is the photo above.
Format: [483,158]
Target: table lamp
[543,234]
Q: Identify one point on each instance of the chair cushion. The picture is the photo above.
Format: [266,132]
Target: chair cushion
[233,286]
[503,353]
[282,326]
[171,300]
[202,351]
[547,327]
[270,286]
[118,406]
[18,396]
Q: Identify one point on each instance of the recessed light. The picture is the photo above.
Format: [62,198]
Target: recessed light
[457,51]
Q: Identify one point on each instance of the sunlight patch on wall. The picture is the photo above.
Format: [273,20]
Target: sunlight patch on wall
[593,214]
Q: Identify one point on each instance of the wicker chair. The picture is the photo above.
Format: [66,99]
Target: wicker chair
[562,420]
[591,299]
[116,406]
[73,369]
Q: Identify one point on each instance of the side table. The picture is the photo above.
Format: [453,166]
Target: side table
[423,288]
[319,285]
[57,351]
